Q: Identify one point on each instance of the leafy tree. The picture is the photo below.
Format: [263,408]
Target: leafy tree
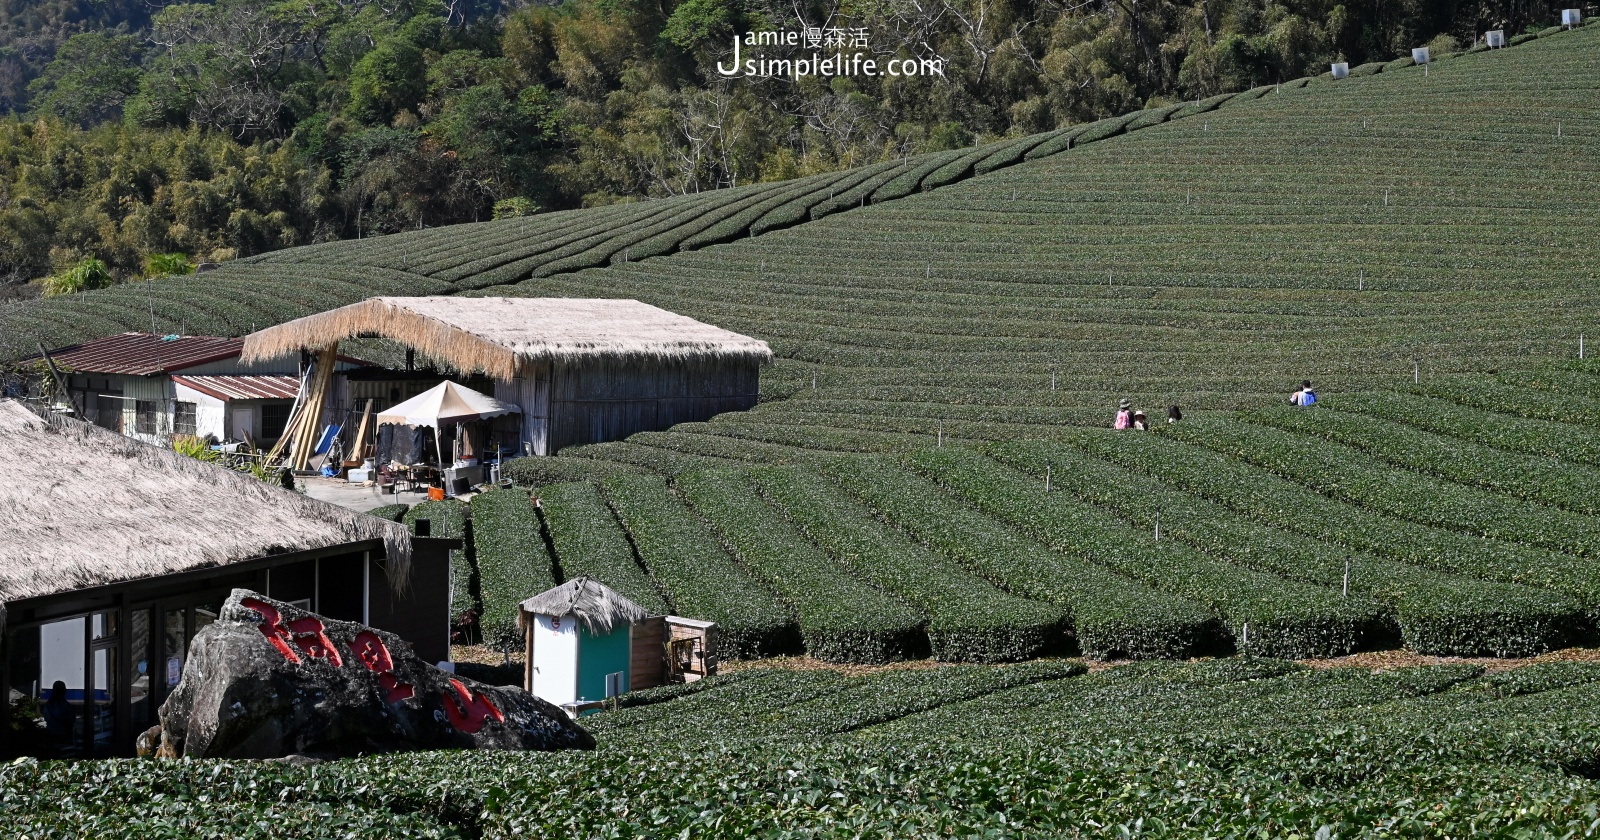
[92,75]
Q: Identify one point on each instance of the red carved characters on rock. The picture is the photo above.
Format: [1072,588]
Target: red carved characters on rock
[309,635]
[468,712]
[272,627]
[374,654]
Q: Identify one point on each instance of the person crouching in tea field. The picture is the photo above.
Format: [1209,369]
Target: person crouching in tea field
[1305,397]
[1174,414]
[1124,415]
[1139,422]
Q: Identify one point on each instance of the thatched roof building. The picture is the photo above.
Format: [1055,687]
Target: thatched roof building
[86,507]
[498,335]
[598,607]
[582,371]
[116,554]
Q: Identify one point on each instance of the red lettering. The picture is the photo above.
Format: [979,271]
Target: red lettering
[309,635]
[471,711]
[272,626]
[394,690]
[374,654]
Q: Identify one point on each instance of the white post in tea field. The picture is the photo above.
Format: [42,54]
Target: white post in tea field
[1580,346]
[1158,524]
[941,433]
[1047,478]
[1416,372]
[1346,591]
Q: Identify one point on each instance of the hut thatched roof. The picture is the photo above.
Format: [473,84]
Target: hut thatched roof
[87,507]
[598,606]
[497,334]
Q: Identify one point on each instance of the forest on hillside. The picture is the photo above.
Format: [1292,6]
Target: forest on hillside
[143,138]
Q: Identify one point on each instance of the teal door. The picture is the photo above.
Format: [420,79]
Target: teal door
[600,657]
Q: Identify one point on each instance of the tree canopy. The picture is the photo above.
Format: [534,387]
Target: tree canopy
[220,129]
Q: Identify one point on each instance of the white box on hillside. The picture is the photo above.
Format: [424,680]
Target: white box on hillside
[1341,70]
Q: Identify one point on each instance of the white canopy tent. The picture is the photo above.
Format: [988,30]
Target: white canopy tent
[445,404]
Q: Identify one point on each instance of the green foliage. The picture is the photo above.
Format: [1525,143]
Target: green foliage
[589,541]
[88,273]
[703,581]
[168,265]
[513,564]
[92,74]
[515,207]
[842,618]
[393,513]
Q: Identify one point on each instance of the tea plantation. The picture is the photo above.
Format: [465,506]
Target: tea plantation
[1242,747]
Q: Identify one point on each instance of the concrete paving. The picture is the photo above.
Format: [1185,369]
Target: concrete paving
[355,496]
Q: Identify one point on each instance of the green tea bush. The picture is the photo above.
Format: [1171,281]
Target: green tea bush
[699,576]
[842,618]
[970,620]
[393,513]
[589,541]
[1112,615]
[513,563]
[1284,618]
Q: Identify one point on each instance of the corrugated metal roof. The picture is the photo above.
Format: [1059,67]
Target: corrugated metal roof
[144,354]
[243,387]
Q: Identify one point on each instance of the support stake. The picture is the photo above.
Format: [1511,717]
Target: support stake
[1047,478]
[1347,576]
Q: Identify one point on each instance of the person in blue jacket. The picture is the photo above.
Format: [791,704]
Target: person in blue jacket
[1305,397]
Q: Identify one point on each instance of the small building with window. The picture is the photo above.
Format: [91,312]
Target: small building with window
[116,553]
[152,388]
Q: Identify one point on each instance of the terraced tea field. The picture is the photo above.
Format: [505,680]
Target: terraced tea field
[1377,520]
[1209,254]
[920,478]
[1244,747]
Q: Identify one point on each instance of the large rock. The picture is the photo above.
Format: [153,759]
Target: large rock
[269,680]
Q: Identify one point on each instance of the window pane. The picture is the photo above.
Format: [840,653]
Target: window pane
[274,416]
[176,640]
[47,666]
[183,419]
[103,711]
[145,417]
[139,651]
[105,625]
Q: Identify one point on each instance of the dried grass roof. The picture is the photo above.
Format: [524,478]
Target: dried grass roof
[497,334]
[598,606]
[86,507]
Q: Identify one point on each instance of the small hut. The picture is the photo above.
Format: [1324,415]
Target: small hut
[580,642]
[582,371]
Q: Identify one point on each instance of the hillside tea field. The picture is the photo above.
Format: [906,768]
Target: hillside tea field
[1244,747]
[1208,254]
[1377,520]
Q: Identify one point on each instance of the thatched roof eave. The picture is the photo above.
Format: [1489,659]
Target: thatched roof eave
[499,335]
[93,508]
[597,606]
